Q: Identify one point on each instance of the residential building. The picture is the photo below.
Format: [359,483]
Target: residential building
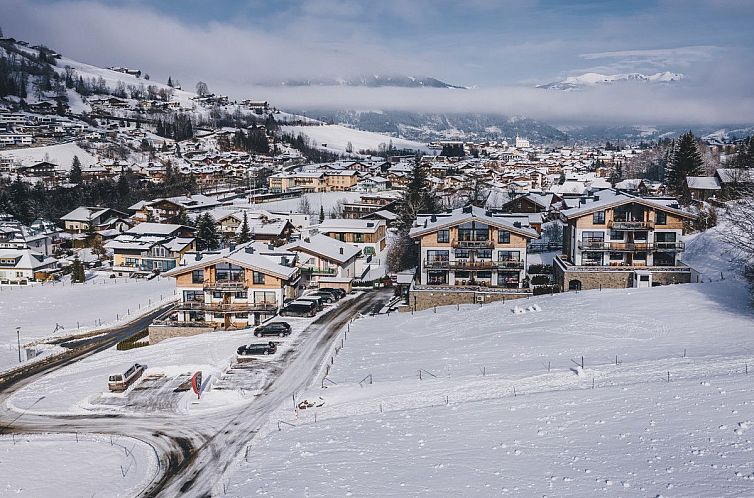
[235,287]
[151,247]
[322,256]
[615,239]
[80,219]
[21,266]
[469,255]
[367,235]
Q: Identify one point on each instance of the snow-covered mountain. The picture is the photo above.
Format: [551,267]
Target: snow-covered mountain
[588,80]
[376,80]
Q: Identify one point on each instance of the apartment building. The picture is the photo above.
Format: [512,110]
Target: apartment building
[367,235]
[320,256]
[151,247]
[615,239]
[233,288]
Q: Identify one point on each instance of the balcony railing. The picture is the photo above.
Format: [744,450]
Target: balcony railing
[472,244]
[318,271]
[601,245]
[473,265]
[630,225]
[226,308]
[228,285]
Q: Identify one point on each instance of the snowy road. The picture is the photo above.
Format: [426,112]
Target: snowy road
[195,450]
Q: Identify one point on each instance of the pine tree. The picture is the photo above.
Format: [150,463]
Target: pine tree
[321,213]
[76,175]
[245,234]
[206,232]
[77,271]
[170,82]
[686,161]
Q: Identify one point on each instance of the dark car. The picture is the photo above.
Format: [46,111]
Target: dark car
[327,294]
[299,308]
[341,293]
[281,329]
[258,349]
[320,301]
[325,297]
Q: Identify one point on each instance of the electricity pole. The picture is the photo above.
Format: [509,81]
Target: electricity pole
[18,336]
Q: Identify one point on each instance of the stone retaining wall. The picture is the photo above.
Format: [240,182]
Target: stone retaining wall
[159,333]
[425,299]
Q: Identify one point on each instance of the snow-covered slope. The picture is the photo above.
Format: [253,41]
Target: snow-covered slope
[60,154]
[595,79]
[493,400]
[335,138]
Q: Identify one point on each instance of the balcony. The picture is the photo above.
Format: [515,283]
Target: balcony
[630,225]
[473,265]
[601,245]
[225,285]
[319,271]
[472,244]
[226,308]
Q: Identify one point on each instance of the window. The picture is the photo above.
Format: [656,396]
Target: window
[443,236]
[197,277]
[504,237]
[484,274]
[258,277]
[462,274]
[664,236]
[358,237]
[508,256]
[616,235]
[484,253]
[473,231]
[241,295]
[265,297]
[640,235]
[592,259]
[616,257]
[462,254]
[437,256]
[193,296]
[437,277]
[217,295]
[662,218]
[640,256]
[598,218]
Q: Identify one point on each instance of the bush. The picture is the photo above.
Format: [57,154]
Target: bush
[546,289]
[133,341]
[540,280]
[540,269]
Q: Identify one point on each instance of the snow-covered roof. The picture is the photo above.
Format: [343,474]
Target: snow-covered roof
[246,255]
[324,246]
[343,225]
[703,182]
[428,223]
[148,228]
[25,259]
[610,198]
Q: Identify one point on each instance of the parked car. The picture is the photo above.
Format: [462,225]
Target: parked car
[258,349]
[299,308]
[281,329]
[318,300]
[328,297]
[120,382]
[341,293]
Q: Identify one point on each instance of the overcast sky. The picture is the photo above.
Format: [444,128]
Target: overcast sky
[501,48]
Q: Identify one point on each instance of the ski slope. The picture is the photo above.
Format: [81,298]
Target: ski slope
[493,400]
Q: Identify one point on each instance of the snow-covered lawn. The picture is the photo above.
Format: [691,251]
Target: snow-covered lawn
[61,155]
[335,138]
[69,465]
[328,200]
[41,309]
[662,405]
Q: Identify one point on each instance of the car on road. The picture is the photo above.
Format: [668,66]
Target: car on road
[281,329]
[258,349]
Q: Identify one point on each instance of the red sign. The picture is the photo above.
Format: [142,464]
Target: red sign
[196,384]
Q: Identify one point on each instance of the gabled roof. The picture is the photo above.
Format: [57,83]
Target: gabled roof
[84,213]
[350,225]
[27,259]
[326,247]
[246,255]
[431,223]
[610,198]
[163,229]
[703,182]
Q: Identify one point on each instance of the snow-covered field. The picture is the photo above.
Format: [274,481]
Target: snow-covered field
[662,405]
[328,200]
[69,465]
[60,154]
[63,309]
[335,138]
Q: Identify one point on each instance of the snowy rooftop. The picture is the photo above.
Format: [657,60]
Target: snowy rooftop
[327,247]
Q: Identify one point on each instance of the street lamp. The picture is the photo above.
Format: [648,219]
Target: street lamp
[18,336]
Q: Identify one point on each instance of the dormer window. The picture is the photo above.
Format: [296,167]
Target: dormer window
[598,218]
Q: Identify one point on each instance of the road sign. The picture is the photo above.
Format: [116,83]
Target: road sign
[196,384]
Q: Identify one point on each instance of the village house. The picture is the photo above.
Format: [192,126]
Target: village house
[367,235]
[21,266]
[82,218]
[615,239]
[151,247]
[320,256]
[232,288]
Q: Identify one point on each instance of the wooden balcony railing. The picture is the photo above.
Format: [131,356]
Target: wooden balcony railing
[474,265]
[227,285]
[630,225]
[472,244]
[600,245]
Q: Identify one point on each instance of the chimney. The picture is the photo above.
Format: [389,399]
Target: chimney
[198,256]
[341,250]
[596,197]
[307,240]
[434,218]
[517,224]
[249,250]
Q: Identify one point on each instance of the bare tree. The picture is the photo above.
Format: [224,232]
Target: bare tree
[202,89]
[303,206]
[738,231]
